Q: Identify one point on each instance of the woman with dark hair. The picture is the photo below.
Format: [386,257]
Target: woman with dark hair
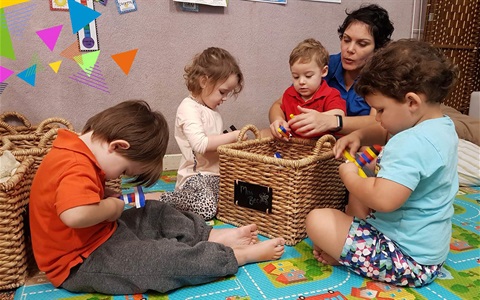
[362,32]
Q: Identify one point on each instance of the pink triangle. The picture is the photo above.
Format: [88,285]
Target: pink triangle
[4,73]
[50,36]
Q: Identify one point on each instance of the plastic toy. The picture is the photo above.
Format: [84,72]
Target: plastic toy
[137,197]
[364,158]
[284,132]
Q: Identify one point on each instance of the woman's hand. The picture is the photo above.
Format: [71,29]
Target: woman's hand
[311,123]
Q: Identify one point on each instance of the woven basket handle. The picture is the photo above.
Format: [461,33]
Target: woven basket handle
[243,132]
[48,136]
[8,128]
[41,126]
[13,114]
[326,141]
[6,144]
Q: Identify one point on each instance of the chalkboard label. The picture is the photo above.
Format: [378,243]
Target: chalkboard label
[253,196]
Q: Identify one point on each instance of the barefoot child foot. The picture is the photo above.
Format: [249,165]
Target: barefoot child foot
[267,250]
[324,258]
[245,235]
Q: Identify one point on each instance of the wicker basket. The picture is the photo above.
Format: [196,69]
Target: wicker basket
[306,177]
[36,145]
[15,250]
[13,123]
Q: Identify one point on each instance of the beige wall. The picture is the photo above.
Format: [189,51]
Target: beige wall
[260,35]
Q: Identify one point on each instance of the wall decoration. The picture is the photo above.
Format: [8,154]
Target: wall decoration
[5,73]
[87,61]
[71,51]
[270,1]
[7,48]
[50,36]
[3,86]
[6,3]
[126,6]
[55,65]
[81,14]
[96,80]
[186,6]
[29,75]
[83,17]
[61,5]
[37,61]
[223,3]
[18,19]
[125,60]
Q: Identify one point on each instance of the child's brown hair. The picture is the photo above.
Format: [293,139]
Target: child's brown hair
[217,65]
[308,50]
[145,130]
[405,66]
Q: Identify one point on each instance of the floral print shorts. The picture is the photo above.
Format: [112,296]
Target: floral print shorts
[371,254]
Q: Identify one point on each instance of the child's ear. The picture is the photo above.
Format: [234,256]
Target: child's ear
[324,71]
[203,81]
[414,101]
[118,144]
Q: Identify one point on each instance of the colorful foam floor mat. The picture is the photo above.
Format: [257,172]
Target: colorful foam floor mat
[297,275]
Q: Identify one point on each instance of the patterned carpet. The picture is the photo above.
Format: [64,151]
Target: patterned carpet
[298,276]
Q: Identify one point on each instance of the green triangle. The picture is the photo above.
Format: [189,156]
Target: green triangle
[6,47]
[87,61]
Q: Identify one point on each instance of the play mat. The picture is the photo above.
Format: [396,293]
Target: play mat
[298,276]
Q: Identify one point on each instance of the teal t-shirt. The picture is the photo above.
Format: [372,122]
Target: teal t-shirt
[423,159]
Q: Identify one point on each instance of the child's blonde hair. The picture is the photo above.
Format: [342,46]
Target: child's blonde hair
[308,50]
[217,65]
[145,130]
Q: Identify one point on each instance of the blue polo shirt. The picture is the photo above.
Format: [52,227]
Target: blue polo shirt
[356,105]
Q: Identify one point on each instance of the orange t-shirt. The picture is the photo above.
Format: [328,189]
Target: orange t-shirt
[69,176]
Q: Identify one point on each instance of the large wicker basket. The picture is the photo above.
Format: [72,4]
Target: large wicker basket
[15,251]
[306,177]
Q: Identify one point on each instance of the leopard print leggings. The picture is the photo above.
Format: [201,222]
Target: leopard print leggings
[199,194]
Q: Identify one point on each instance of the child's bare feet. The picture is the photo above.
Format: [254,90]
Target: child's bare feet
[266,250]
[324,258]
[245,235]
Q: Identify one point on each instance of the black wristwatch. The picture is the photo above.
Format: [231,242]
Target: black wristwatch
[339,124]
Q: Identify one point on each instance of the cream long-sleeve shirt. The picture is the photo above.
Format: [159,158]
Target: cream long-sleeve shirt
[193,124]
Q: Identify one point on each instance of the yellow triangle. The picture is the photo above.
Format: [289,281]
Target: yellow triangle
[5,3]
[87,61]
[55,65]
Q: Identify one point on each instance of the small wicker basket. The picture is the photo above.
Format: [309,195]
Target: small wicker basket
[15,251]
[306,177]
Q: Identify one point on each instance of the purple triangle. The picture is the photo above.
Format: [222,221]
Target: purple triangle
[50,36]
[4,73]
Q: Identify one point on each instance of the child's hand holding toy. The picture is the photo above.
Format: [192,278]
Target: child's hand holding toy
[361,160]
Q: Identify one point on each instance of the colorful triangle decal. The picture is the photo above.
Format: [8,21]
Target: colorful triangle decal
[6,49]
[29,75]
[50,36]
[55,65]
[4,73]
[5,3]
[87,61]
[80,15]
[125,60]
[72,51]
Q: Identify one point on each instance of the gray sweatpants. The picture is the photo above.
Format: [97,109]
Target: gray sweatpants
[157,248]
